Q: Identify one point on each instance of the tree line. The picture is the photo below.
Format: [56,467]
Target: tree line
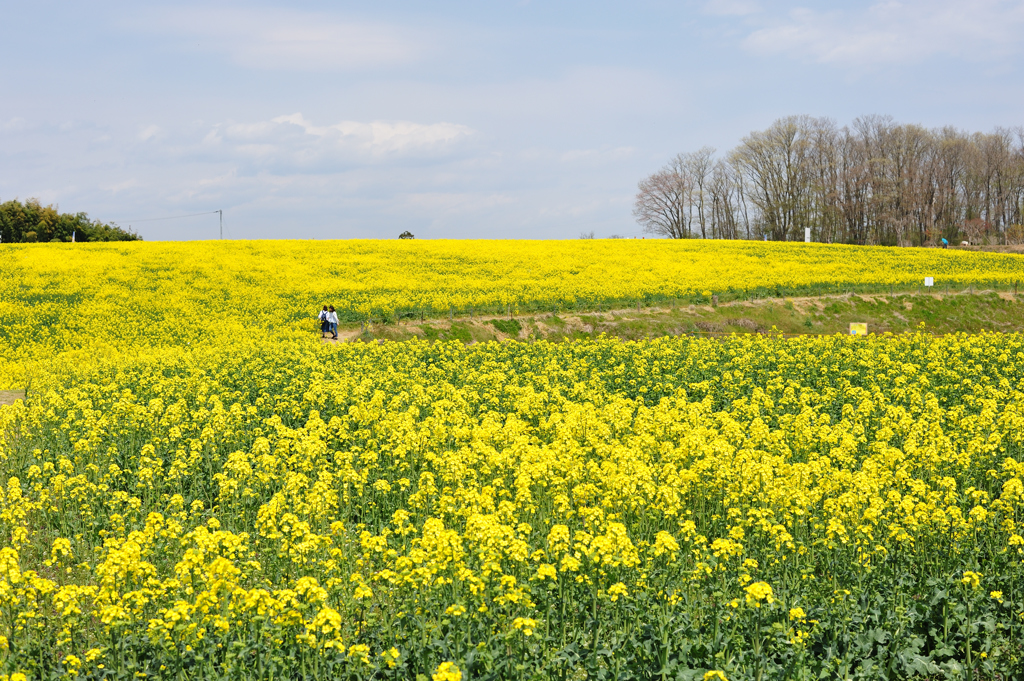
[873,182]
[33,222]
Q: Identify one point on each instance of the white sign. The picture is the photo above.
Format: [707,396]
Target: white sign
[807,235]
[929,281]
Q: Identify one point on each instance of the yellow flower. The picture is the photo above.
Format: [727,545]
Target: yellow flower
[757,592]
[414,473]
[665,543]
[715,675]
[391,657]
[616,590]
[525,624]
[447,671]
[547,571]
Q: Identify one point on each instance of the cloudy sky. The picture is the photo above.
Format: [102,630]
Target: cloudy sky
[453,119]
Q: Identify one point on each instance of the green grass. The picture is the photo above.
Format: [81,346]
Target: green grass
[940,314]
[509,327]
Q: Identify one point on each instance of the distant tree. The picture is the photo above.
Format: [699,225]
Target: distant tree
[1015,234]
[875,181]
[32,222]
[406,235]
[663,201]
[777,169]
[699,167]
[616,236]
[97,231]
[727,216]
[586,235]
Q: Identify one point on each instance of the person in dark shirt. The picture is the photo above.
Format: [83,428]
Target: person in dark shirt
[325,325]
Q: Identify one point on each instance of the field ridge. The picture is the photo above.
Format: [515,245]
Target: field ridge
[983,310]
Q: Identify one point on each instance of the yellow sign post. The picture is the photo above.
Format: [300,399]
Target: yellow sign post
[858,329]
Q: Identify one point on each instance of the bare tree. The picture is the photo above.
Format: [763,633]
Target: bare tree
[825,218]
[725,197]
[662,202]
[874,182]
[775,163]
[697,167]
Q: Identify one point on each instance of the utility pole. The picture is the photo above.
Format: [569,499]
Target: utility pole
[221,213]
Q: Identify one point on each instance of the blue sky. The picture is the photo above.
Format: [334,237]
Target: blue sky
[453,119]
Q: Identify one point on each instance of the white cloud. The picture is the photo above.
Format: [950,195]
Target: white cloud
[596,155]
[13,125]
[452,203]
[293,143]
[149,132]
[732,7]
[292,40]
[380,136]
[588,157]
[118,187]
[893,32]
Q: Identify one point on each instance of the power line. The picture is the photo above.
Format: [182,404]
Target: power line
[173,217]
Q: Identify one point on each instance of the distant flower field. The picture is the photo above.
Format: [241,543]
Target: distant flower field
[140,292]
[185,498]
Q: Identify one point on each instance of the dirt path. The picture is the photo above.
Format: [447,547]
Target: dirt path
[980,309]
[344,336]
[9,397]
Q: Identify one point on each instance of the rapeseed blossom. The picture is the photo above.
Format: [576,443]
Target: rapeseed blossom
[533,509]
[758,592]
[971,579]
[94,297]
[447,671]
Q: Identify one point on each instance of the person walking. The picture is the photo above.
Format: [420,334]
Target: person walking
[332,318]
[325,325]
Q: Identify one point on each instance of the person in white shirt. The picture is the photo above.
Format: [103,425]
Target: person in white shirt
[332,318]
[325,325]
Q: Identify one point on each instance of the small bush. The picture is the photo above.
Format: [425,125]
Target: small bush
[509,327]
[460,332]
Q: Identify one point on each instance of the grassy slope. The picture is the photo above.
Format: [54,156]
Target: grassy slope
[967,312]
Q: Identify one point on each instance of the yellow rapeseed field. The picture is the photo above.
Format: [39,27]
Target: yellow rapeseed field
[179,499]
[276,282]
[60,297]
